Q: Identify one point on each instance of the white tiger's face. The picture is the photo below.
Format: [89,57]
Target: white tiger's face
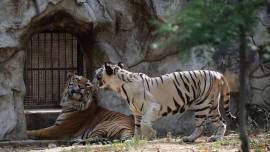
[106,76]
[78,93]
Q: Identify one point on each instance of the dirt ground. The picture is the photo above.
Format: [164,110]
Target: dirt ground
[231,143]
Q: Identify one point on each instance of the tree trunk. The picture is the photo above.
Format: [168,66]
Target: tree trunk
[243,91]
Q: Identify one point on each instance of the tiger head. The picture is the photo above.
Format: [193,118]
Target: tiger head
[108,76]
[78,93]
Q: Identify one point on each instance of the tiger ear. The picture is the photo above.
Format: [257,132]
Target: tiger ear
[121,65]
[70,74]
[108,69]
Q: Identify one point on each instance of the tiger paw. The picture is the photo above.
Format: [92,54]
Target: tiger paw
[78,142]
[214,138]
[188,139]
[33,135]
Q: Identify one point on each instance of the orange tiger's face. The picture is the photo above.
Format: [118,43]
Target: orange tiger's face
[78,93]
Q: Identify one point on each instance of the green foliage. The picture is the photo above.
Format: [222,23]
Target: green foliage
[78,149]
[128,145]
[208,22]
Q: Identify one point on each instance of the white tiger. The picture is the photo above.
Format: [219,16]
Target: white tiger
[150,98]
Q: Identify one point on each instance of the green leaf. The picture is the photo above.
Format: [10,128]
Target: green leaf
[208,22]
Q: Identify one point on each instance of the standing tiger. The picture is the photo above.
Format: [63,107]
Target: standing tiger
[82,119]
[150,98]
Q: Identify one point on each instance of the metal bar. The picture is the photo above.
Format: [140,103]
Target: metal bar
[72,50]
[47,106]
[25,72]
[54,33]
[45,65]
[59,67]
[79,60]
[65,77]
[55,69]
[34,68]
[51,66]
[32,83]
[38,53]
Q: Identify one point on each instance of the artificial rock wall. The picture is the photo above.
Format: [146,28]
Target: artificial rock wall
[107,30]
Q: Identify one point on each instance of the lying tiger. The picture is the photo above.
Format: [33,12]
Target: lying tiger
[82,119]
[150,98]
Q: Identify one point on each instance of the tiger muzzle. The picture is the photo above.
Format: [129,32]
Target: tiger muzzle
[99,79]
[75,94]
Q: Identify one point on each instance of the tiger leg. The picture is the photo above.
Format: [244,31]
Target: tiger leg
[122,132]
[126,134]
[95,135]
[218,122]
[137,131]
[200,118]
[147,120]
[110,131]
[216,119]
[89,136]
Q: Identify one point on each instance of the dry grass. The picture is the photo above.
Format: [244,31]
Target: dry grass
[231,143]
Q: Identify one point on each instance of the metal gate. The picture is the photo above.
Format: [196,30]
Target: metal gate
[49,56]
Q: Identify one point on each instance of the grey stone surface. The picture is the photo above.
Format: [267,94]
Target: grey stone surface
[112,30]
[111,100]
[12,91]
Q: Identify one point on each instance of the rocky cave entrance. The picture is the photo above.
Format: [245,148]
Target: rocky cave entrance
[49,56]
[55,43]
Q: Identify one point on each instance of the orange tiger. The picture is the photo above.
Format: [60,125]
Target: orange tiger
[83,119]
